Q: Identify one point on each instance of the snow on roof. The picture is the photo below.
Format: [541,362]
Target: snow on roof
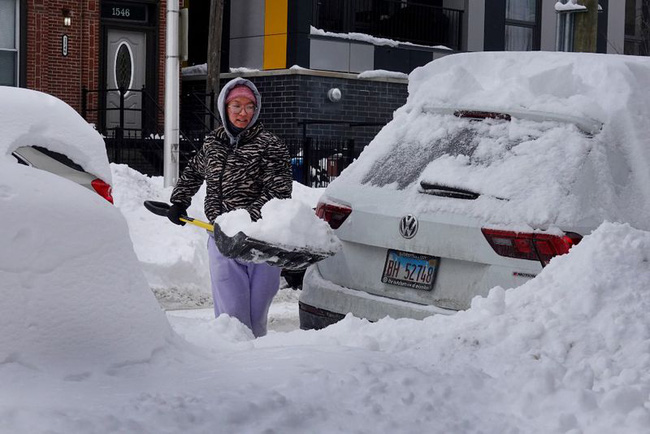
[29,118]
[596,86]
[362,37]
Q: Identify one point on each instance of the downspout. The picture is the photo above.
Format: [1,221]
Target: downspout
[172,96]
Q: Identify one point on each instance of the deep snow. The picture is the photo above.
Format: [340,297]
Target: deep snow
[84,347]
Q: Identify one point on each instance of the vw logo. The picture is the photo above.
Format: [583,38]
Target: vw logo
[408,226]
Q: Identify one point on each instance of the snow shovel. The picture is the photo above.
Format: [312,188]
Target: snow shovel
[244,248]
[162,208]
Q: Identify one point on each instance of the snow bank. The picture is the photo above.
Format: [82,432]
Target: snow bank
[31,118]
[74,300]
[285,222]
[569,350]
[174,258]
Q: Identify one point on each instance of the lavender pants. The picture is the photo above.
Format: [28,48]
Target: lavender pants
[242,290]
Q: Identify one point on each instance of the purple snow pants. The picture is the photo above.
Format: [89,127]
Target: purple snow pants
[242,290]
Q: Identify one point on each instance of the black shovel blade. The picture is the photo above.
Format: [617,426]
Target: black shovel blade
[247,249]
[158,208]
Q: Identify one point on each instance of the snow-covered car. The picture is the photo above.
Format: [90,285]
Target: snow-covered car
[497,163]
[74,298]
[47,134]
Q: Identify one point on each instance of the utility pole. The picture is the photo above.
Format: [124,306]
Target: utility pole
[214,50]
[172,96]
[586,28]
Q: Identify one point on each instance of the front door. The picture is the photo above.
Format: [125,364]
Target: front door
[126,55]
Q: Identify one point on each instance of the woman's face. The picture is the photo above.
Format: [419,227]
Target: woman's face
[241,111]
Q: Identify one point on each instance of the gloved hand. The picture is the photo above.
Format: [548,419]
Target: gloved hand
[175,212]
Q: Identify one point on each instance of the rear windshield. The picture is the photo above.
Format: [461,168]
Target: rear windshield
[480,141]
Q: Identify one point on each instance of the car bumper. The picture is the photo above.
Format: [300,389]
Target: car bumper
[323,303]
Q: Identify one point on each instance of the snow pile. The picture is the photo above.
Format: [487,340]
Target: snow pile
[569,350]
[382,73]
[284,222]
[74,300]
[174,258]
[189,71]
[594,86]
[31,118]
[532,174]
[570,5]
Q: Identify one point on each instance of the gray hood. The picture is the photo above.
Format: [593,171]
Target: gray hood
[221,104]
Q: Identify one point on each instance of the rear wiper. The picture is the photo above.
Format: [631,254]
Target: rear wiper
[446,191]
[454,192]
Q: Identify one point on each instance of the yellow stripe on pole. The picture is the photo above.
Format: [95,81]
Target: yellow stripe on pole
[275,34]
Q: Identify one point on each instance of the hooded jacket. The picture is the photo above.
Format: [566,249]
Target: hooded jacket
[241,171]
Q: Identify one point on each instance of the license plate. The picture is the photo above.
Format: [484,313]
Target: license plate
[411,270]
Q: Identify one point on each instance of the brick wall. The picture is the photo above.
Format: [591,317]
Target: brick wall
[291,98]
[48,70]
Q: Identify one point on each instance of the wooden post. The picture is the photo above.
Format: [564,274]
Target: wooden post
[586,28]
[214,51]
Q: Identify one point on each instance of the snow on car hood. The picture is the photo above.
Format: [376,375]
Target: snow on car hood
[555,174]
[29,118]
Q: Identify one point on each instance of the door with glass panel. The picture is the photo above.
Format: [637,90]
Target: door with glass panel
[126,70]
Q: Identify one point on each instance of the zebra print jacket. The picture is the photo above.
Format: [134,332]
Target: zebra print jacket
[245,174]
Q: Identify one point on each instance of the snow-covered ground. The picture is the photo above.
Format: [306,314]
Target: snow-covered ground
[85,347]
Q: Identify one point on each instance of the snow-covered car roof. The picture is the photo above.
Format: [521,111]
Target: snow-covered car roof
[29,118]
[576,151]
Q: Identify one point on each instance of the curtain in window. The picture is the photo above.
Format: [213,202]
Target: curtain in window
[519,38]
[8,45]
[521,22]
[521,10]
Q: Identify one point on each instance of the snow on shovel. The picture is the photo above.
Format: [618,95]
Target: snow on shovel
[285,237]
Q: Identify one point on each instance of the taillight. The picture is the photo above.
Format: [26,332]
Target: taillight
[532,246]
[103,189]
[333,214]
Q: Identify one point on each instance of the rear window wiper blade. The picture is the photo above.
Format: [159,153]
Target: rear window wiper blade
[447,191]
[453,192]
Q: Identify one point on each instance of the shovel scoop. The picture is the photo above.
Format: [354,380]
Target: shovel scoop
[244,248]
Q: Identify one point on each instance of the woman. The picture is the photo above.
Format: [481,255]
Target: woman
[244,166]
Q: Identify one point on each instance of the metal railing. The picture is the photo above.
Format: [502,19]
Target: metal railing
[392,19]
[141,147]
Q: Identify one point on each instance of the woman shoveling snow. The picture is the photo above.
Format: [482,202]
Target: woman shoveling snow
[244,167]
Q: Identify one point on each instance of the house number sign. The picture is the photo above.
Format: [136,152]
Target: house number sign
[64,45]
[124,11]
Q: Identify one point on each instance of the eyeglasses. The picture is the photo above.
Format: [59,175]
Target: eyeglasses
[236,108]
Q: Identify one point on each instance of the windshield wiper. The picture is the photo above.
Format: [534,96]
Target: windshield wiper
[446,191]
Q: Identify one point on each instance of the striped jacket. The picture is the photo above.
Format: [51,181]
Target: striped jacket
[245,174]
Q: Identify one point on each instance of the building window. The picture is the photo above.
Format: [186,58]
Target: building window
[522,25]
[9,42]
[637,27]
[424,22]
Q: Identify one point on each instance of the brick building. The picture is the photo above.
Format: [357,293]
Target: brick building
[77,50]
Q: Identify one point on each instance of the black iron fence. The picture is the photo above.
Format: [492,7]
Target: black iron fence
[140,142]
[393,19]
[315,162]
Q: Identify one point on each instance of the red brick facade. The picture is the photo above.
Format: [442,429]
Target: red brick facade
[48,70]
